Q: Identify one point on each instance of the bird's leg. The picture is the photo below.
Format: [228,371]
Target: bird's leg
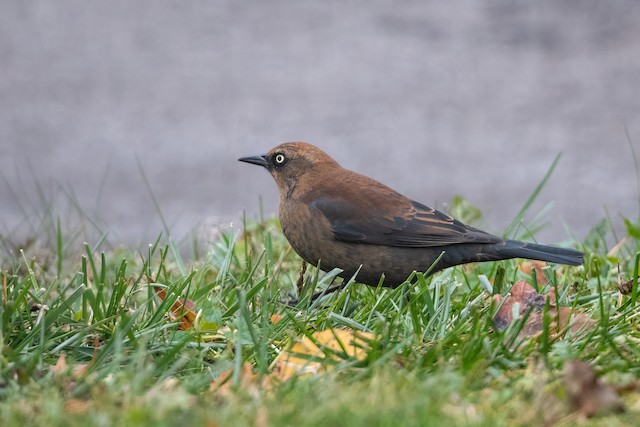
[328,290]
[293,301]
[407,290]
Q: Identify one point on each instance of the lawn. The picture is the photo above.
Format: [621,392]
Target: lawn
[230,336]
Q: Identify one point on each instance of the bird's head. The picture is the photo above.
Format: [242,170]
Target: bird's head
[290,162]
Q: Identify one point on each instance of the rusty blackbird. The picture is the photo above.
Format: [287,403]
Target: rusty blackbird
[339,218]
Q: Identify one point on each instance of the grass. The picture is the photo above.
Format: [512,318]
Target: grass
[85,339]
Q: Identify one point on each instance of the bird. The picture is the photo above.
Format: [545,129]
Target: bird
[337,218]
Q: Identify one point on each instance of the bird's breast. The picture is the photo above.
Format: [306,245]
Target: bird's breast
[307,230]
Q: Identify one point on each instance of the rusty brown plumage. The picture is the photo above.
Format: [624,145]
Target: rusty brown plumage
[346,220]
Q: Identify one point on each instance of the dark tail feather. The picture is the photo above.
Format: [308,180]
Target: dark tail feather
[515,249]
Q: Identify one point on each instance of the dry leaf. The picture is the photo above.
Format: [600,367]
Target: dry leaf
[323,346]
[61,367]
[79,370]
[249,381]
[182,310]
[528,266]
[614,251]
[298,359]
[526,297]
[77,406]
[588,394]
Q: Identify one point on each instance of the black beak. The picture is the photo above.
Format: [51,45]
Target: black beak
[255,160]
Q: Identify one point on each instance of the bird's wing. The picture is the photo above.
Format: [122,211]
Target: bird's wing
[394,220]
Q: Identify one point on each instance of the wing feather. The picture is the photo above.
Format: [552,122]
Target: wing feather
[405,223]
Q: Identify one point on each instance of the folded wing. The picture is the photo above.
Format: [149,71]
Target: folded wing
[394,220]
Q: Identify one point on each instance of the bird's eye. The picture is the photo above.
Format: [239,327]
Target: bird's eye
[279,158]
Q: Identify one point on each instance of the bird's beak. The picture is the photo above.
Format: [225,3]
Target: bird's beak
[255,160]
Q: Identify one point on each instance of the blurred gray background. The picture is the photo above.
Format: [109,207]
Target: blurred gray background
[433,98]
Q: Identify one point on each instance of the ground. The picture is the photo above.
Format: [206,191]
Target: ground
[231,337]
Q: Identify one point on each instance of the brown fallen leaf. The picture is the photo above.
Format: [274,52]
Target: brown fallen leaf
[588,394]
[77,406]
[527,298]
[182,310]
[309,356]
[61,367]
[79,370]
[528,266]
[249,381]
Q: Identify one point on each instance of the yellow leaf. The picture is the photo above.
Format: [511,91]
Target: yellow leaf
[309,355]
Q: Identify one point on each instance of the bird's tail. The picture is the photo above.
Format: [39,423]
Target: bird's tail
[515,249]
